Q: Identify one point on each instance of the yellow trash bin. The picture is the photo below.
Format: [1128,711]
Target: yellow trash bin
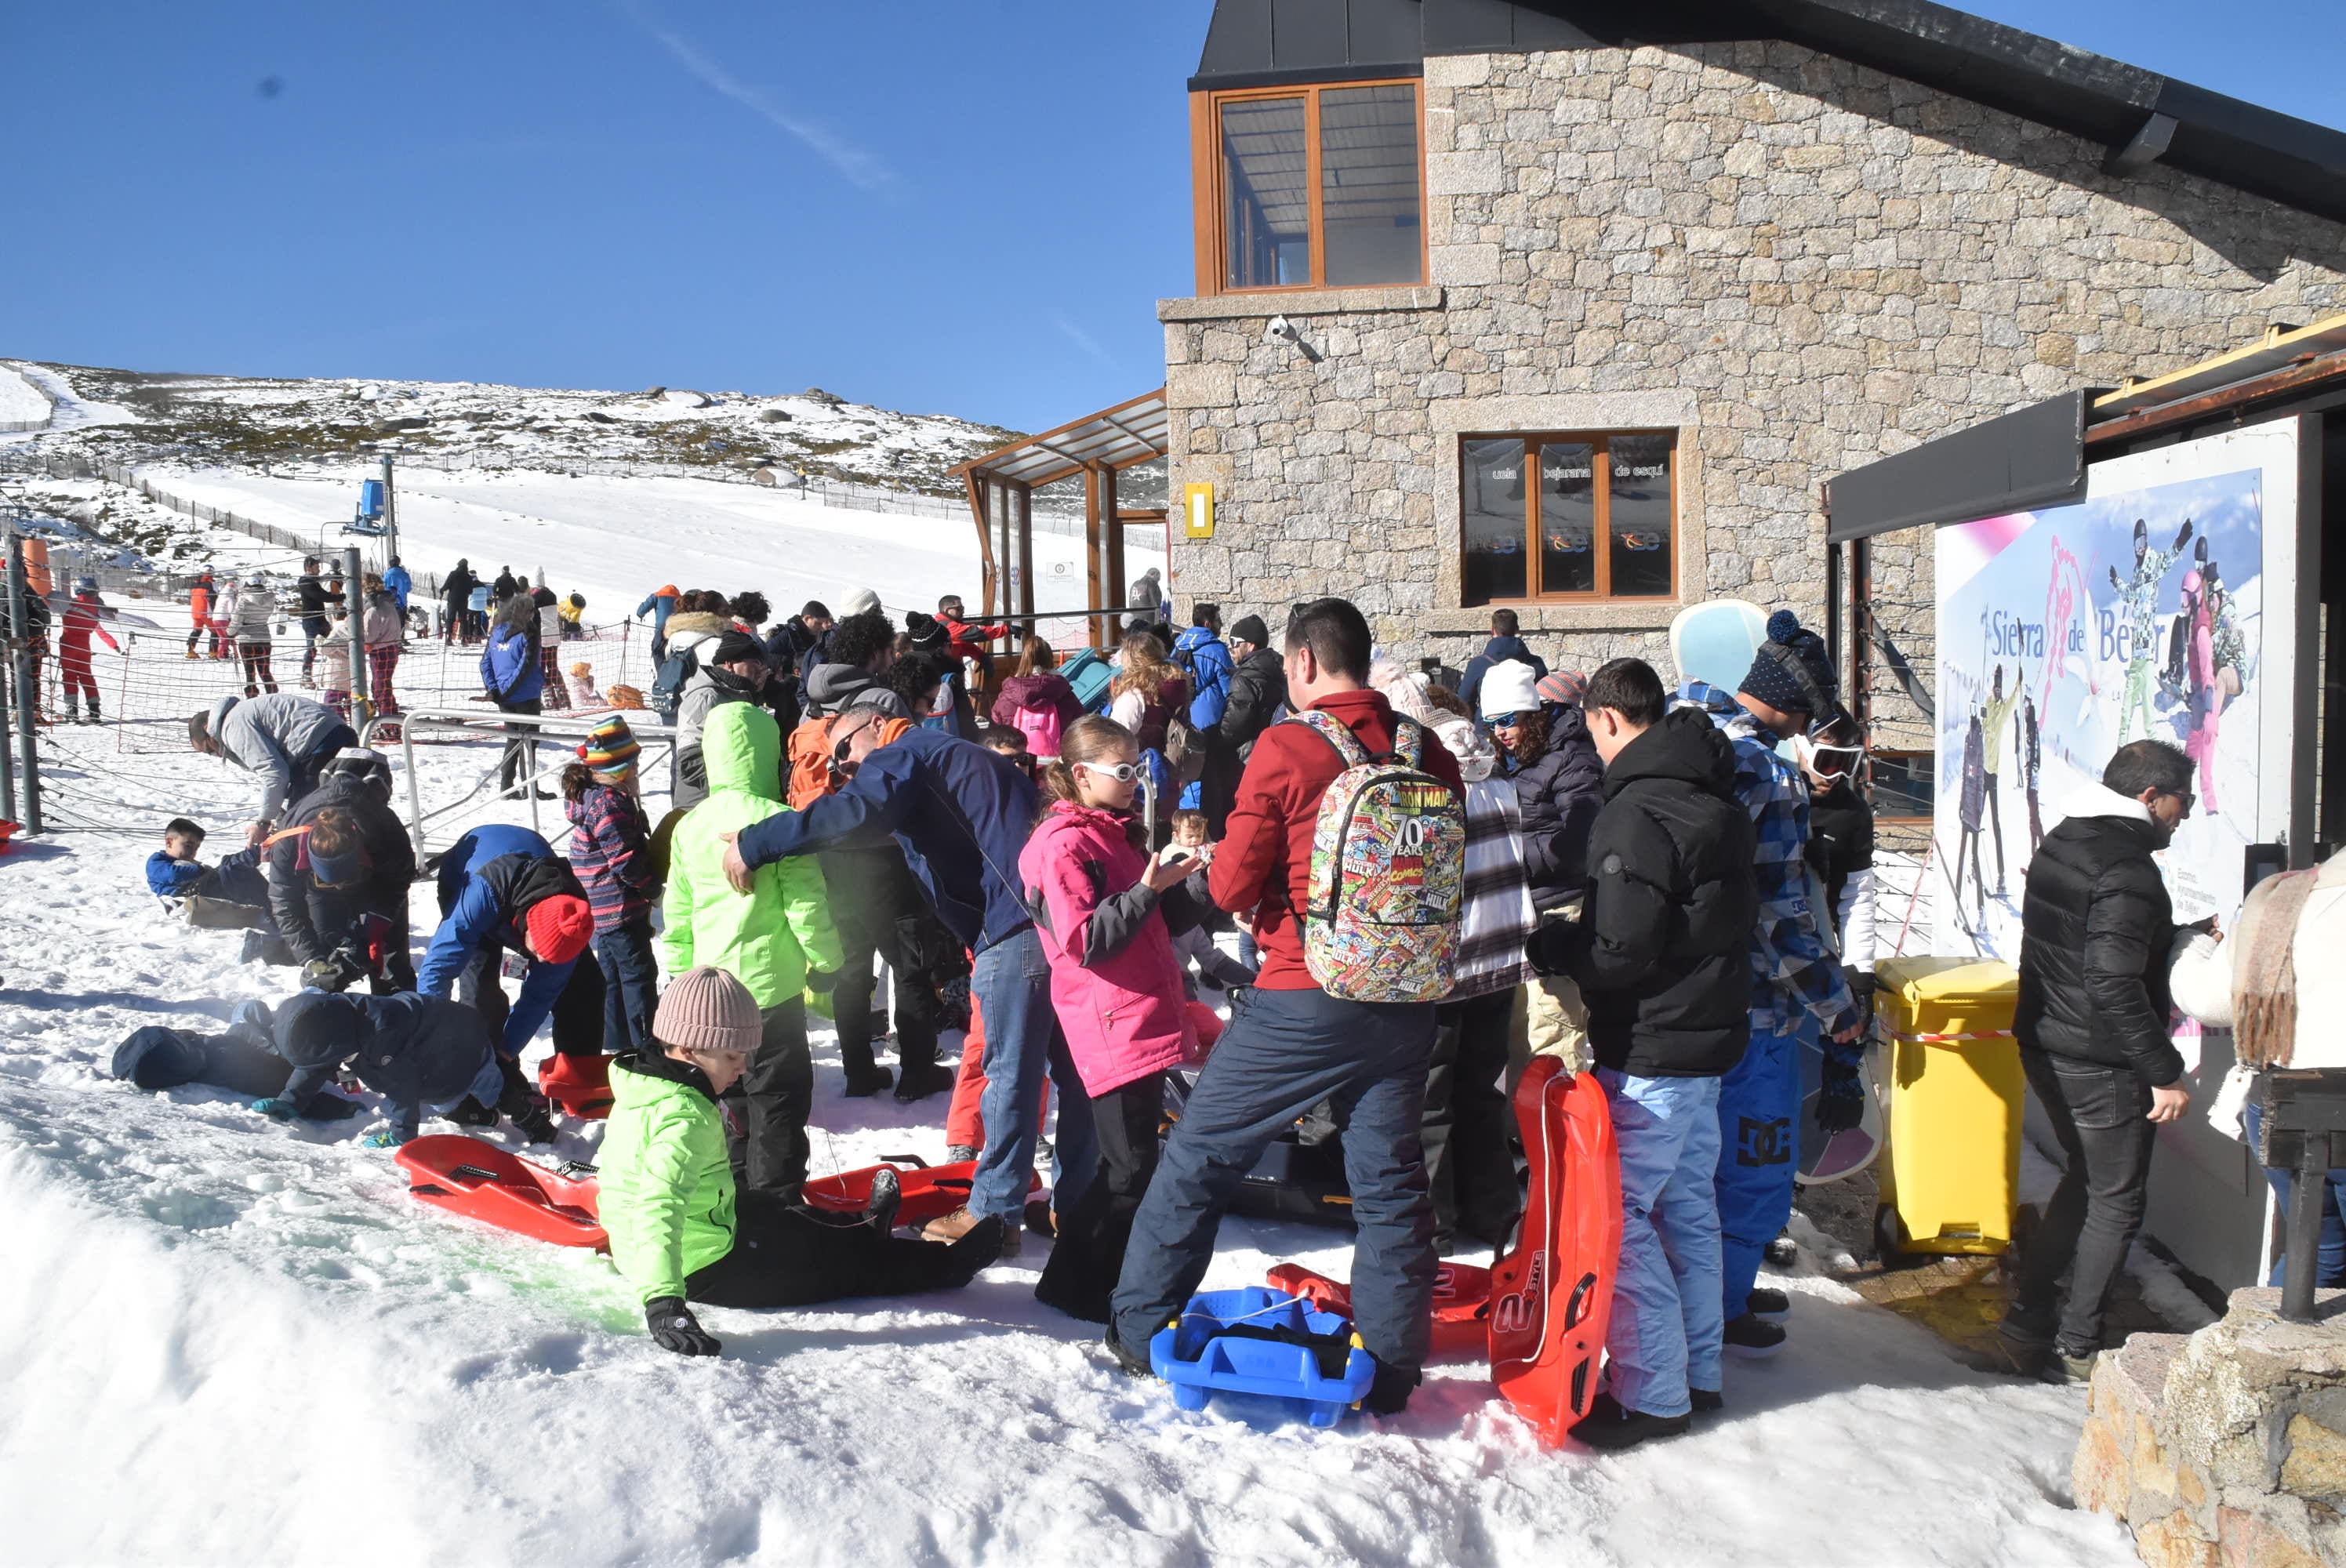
[1955,1101]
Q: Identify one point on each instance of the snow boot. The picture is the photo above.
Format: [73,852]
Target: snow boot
[980,1250]
[865,1083]
[1783,1252]
[919,1079]
[887,1194]
[1706,1401]
[1130,1363]
[473,1113]
[1610,1427]
[1390,1389]
[1754,1337]
[1768,1302]
[961,1154]
[95,716]
[73,713]
[2067,1365]
[965,1222]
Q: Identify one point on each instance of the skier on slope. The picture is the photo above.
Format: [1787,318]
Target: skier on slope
[82,613]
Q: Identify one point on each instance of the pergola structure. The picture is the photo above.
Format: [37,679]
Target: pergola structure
[1001,484]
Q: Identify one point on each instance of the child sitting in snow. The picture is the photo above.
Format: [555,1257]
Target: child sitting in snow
[230,896]
[581,682]
[1195,918]
[678,1229]
[419,1053]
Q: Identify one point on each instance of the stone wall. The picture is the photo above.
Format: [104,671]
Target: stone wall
[2227,1447]
[1797,264]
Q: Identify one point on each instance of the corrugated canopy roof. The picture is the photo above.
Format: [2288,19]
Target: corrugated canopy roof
[1118,437]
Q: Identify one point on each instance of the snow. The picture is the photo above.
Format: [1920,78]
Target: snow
[73,411]
[615,539]
[229,1341]
[20,400]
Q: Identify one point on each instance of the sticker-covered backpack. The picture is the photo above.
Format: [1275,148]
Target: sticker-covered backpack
[1388,872]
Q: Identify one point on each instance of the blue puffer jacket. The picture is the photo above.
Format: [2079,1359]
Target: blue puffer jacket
[1206,659]
[511,670]
[961,813]
[488,881]
[414,1051]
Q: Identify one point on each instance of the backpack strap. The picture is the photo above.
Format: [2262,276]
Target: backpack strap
[1409,741]
[1335,732]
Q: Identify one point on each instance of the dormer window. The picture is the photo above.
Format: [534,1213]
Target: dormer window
[1309,187]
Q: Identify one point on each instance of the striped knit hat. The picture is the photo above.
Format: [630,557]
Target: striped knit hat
[610,748]
[1565,686]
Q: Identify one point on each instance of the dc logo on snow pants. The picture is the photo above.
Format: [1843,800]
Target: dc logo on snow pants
[1759,1143]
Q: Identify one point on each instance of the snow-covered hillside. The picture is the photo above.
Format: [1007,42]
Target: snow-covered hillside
[252,422]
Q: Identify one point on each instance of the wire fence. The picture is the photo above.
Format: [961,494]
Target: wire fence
[20,426]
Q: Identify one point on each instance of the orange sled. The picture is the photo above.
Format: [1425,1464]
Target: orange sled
[483,1182]
[930,1192]
[1462,1302]
[1552,1297]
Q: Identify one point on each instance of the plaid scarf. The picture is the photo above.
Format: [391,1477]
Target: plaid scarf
[1496,919]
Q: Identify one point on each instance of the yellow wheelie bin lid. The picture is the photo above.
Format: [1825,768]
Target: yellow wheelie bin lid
[1946,999]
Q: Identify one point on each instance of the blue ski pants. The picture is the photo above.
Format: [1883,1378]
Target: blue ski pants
[1759,1151]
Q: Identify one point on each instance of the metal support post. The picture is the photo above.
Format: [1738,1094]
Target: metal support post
[354,605]
[390,514]
[27,697]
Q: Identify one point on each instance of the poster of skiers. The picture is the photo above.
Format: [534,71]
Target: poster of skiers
[2160,606]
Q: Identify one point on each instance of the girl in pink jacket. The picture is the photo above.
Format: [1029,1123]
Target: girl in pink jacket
[1116,985]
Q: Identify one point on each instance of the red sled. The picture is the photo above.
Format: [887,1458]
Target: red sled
[577,1085]
[1462,1302]
[1552,1296]
[483,1182]
[930,1192]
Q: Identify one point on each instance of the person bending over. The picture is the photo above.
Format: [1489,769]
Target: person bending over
[678,1230]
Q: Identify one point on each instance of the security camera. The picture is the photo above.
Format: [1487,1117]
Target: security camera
[1282,331]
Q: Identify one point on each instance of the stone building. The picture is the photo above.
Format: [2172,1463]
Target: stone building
[1496,305]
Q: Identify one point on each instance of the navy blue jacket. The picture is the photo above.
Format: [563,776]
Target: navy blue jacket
[511,671]
[961,813]
[1498,650]
[488,882]
[414,1051]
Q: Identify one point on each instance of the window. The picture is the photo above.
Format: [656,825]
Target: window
[1904,784]
[1570,516]
[1309,187]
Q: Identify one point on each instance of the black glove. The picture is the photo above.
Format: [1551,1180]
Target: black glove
[821,982]
[674,1326]
[337,972]
[1841,1104]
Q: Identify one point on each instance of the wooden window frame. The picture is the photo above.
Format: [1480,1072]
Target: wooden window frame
[1600,482]
[1210,196]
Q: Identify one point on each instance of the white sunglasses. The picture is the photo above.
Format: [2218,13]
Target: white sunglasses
[1123,772]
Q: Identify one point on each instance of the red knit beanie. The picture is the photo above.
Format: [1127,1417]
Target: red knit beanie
[559,928]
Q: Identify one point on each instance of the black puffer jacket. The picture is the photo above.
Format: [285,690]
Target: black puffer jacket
[2096,931]
[1663,949]
[414,1051]
[1257,691]
[1560,790]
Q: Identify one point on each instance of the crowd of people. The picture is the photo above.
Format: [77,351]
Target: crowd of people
[1671,889]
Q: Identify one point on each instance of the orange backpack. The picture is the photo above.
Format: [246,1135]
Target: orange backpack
[810,756]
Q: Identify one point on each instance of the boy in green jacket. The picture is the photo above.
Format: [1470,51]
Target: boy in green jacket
[776,942]
[668,1201]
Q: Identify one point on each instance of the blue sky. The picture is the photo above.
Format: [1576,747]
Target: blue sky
[953,206]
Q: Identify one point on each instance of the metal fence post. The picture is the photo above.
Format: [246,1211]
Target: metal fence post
[27,698]
[354,605]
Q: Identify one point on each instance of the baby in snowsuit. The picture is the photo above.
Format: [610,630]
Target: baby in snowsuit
[419,1053]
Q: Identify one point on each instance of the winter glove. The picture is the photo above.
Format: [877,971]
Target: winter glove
[277,1108]
[1840,1106]
[385,1139]
[674,1326]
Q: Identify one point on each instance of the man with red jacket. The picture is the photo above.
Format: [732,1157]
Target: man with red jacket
[1290,1044]
[968,640]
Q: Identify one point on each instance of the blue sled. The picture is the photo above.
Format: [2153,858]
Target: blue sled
[1221,1343]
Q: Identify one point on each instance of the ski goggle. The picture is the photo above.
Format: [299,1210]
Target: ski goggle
[1824,760]
[1122,772]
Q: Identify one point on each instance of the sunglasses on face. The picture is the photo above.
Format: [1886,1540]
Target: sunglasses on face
[1123,772]
[2189,799]
[1512,720]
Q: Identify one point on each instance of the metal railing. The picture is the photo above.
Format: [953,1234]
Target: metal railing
[504,729]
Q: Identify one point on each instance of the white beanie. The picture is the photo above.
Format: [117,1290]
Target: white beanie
[858,603]
[1511,687]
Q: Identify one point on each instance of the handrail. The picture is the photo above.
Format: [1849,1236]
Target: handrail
[501,728]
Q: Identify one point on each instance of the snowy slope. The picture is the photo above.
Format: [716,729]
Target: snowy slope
[20,400]
[616,539]
[269,1354]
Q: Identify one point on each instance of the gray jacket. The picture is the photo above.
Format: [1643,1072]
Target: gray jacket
[271,735]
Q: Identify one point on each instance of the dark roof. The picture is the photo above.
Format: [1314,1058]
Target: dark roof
[2141,116]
